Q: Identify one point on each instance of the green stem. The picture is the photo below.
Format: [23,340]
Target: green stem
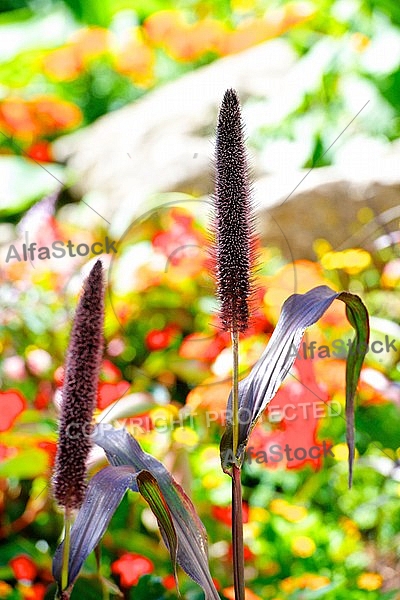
[235,391]
[67,541]
[237,535]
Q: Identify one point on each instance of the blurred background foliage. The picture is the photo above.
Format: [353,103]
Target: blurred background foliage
[166,367]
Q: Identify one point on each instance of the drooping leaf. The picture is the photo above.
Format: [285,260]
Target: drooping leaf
[358,317]
[256,391]
[122,449]
[104,494]
[151,492]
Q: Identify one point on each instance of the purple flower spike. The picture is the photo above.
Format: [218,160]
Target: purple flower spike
[233,219]
[79,393]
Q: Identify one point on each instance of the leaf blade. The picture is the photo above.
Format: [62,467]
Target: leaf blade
[104,494]
[298,312]
[122,448]
[151,492]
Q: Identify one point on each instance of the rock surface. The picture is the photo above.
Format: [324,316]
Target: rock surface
[164,143]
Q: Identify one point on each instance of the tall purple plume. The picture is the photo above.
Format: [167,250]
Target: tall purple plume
[234,246]
[79,393]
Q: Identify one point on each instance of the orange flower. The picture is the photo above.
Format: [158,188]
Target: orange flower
[209,35]
[5,589]
[190,42]
[33,592]
[162,25]
[307,580]
[229,593]
[303,546]
[91,42]
[63,64]
[17,117]
[136,60]
[369,581]
[291,513]
[185,41]
[299,277]
[212,395]
[274,23]
[53,114]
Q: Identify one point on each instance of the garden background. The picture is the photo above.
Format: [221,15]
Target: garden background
[166,368]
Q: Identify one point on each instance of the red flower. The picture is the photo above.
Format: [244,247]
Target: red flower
[43,395]
[131,567]
[12,403]
[158,339]
[247,553]
[109,372]
[202,347]
[302,404]
[109,392]
[23,567]
[169,582]
[51,449]
[224,513]
[40,151]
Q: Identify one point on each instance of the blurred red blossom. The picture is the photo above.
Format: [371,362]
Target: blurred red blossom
[109,392]
[158,339]
[12,404]
[130,567]
[298,427]
[224,513]
[23,567]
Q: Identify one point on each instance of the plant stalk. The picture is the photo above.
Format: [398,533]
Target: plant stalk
[67,541]
[237,515]
[237,534]
[235,390]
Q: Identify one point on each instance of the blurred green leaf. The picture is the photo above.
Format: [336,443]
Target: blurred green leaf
[28,464]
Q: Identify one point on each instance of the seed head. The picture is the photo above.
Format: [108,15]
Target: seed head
[79,393]
[234,246]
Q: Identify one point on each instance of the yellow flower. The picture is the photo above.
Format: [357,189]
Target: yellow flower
[307,580]
[287,511]
[369,581]
[303,546]
[350,528]
[352,260]
[211,481]
[341,452]
[185,436]
[258,514]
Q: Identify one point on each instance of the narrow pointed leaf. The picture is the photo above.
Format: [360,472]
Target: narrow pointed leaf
[104,494]
[358,317]
[256,391]
[151,492]
[122,449]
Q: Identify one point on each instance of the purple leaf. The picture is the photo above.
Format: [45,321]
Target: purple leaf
[122,449]
[256,391]
[104,493]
